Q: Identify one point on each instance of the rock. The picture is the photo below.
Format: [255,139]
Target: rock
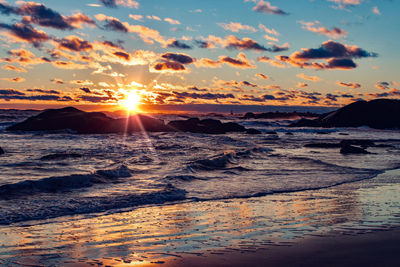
[350,149]
[252,131]
[289,133]
[87,122]
[323,145]
[279,115]
[209,126]
[306,123]
[1,151]
[60,156]
[272,132]
[98,123]
[322,133]
[378,113]
[364,143]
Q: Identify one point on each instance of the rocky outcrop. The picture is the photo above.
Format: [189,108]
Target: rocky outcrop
[279,115]
[98,123]
[210,126]
[1,151]
[378,113]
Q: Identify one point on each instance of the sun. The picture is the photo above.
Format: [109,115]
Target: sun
[131,101]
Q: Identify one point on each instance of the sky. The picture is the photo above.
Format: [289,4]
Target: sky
[176,52]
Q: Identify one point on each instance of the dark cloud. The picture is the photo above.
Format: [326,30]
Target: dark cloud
[26,32]
[35,97]
[112,44]
[96,99]
[52,92]
[243,44]
[207,96]
[194,88]
[6,92]
[74,43]
[41,15]
[262,98]
[382,85]
[266,7]
[180,58]
[85,89]
[122,55]
[352,85]
[331,49]
[109,3]
[203,44]
[169,66]
[112,24]
[341,63]
[178,44]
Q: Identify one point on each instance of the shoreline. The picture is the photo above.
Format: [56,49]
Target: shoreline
[379,248]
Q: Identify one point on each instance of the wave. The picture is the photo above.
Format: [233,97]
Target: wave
[44,209]
[62,183]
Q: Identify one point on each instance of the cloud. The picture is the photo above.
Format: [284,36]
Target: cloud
[341,4]
[236,27]
[74,43]
[8,92]
[309,78]
[41,15]
[57,81]
[111,23]
[13,68]
[382,85]
[180,58]
[332,49]
[207,96]
[53,92]
[335,55]
[168,67]
[376,10]
[115,3]
[316,27]
[301,85]
[178,44]
[266,7]
[14,80]
[26,33]
[86,90]
[123,55]
[240,62]
[172,21]
[262,76]
[232,42]
[351,85]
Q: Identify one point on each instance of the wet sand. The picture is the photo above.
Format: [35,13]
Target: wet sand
[369,249]
[355,224]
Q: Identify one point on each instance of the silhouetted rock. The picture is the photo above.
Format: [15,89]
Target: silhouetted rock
[364,143]
[210,126]
[289,133]
[349,149]
[378,113]
[306,123]
[279,115]
[1,151]
[272,132]
[323,145]
[253,131]
[60,156]
[87,122]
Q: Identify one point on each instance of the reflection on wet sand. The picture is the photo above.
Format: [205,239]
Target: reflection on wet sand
[156,233]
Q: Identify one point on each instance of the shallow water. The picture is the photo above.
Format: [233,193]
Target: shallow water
[45,175]
[144,196]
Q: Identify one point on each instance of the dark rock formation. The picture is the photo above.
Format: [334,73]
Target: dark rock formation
[378,113]
[210,126]
[350,149]
[60,156]
[253,131]
[1,151]
[323,145]
[98,123]
[279,115]
[87,122]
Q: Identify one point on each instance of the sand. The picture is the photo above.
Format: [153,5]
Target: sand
[380,248]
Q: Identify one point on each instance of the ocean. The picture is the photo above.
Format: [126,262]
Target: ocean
[69,178]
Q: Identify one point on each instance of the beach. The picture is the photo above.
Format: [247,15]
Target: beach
[354,224]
